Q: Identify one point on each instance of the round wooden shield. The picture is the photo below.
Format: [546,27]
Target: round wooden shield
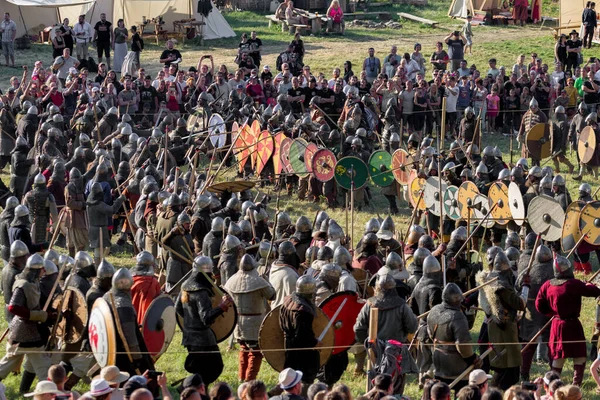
[277,164]
[538,141]
[323,165]
[270,337]
[241,148]
[224,325]
[416,187]
[451,208]
[343,326]
[284,155]
[586,144]
[74,314]
[351,170]
[465,196]
[255,133]
[264,150]
[546,217]
[158,325]
[297,156]
[432,196]
[570,230]
[231,186]
[380,168]
[309,155]
[402,165]
[101,333]
[498,195]
[216,130]
[589,222]
[362,277]
[196,120]
[481,207]
[515,203]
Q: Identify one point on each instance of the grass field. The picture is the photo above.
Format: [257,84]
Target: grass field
[324,53]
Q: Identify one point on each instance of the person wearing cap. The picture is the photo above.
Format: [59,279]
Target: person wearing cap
[100,389]
[290,381]
[44,390]
[266,73]
[479,378]
[195,383]
[574,47]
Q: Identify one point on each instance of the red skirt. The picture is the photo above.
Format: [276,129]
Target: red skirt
[561,333]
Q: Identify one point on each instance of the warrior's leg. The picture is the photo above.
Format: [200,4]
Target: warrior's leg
[578,370]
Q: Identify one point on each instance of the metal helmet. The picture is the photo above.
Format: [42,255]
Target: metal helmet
[32,110]
[559,110]
[52,255]
[449,166]
[18,249]
[466,173]
[414,234]
[174,200]
[67,261]
[452,295]
[283,219]
[387,229]
[145,259]
[385,282]
[230,243]
[582,107]
[426,242]
[325,253]
[21,211]
[357,142]
[512,240]
[361,132]
[234,204]
[202,201]
[516,172]
[21,141]
[303,225]
[306,285]
[342,257]
[122,279]
[585,189]
[83,259]
[394,261]
[264,247]
[543,254]
[562,268]
[321,217]
[217,224]
[469,111]
[504,174]
[370,239]
[497,152]
[260,214]
[546,182]
[50,268]
[420,255]
[473,149]
[491,254]
[548,171]
[105,270]
[331,271]
[234,230]
[247,263]
[35,261]
[558,181]
[183,218]
[501,262]
[513,256]
[286,248]
[311,253]
[591,118]
[11,203]
[481,169]
[203,264]
[372,225]
[535,171]
[533,104]
[488,151]
[335,231]
[246,205]
[459,234]
[39,180]
[530,241]
[57,119]
[431,265]
[112,111]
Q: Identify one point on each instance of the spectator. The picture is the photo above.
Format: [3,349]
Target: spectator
[220,391]
[480,379]
[254,390]
[456,42]
[44,390]
[568,392]
[520,11]
[58,43]
[137,45]
[335,17]
[440,391]
[467,32]
[418,57]
[492,394]
[290,381]
[64,64]
[190,394]
[255,47]
[382,387]
[142,394]
[104,38]
[8,29]
[439,59]
[372,66]
[470,392]
[297,45]
[83,36]
[100,390]
[115,378]
[451,94]
[120,44]
[67,34]
[574,45]
[590,23]
[170,55]
[196,383]
[314,389]
[493,108]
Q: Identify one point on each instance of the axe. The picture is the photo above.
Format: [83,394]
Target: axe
[472,366]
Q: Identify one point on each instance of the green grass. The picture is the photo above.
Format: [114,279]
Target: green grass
[324,53]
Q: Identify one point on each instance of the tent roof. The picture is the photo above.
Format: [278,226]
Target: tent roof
[49,3]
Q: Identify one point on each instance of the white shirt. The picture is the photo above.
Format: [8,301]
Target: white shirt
[451,99]
[84,28]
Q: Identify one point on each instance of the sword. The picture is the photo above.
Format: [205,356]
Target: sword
[332,320]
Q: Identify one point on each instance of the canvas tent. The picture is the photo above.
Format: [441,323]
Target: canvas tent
[36,13]
[570,15]
[462,8]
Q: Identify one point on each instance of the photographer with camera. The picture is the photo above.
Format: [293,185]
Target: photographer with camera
[456,43]
[371,66]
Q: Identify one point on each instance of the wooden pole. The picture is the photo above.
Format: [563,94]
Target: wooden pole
[120,329]
[537,335]
[373,325]
[578,243]
[165,172]
[56,228]
[470,368]
[101,243]
[352,213]
[414,214]
[443,127]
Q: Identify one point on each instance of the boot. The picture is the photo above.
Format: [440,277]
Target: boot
[578,374]
[557,370]
[71,382]
[26,381]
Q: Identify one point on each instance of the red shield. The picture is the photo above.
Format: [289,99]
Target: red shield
[264,150]
[255,129]
[158,326]
[240,146]
[343,326]
[277,164]
[323,165]
[402,165]
[284,154]
[309,154]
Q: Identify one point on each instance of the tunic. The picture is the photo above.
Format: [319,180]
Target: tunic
[144,290]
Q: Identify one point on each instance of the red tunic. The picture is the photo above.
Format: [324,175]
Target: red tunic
[144,290]
[371,264]
[564,302]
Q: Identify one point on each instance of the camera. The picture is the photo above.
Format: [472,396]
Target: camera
[530,386]
[154,374]
[456,33]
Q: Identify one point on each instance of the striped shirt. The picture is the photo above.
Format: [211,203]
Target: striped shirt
[9,30]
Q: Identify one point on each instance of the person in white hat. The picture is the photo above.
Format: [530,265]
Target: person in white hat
[100,389]
[290,380]
[44,390]
[479,378]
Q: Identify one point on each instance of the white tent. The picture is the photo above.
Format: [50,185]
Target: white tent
[36,13]
[462,8]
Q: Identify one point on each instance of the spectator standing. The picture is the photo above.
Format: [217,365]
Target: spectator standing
[451,94]
[468,34]
[104,37]
[67,34]
[137,45]
[8,29]
[574,45]
[372,66]
[456,42]
[58,43]
[120,36]
[439,59]
[493,107]
[170,55]
[391,62]
[590,23]
[560,50]
[520,11]
[83,35]
[63,64]
[255,47]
